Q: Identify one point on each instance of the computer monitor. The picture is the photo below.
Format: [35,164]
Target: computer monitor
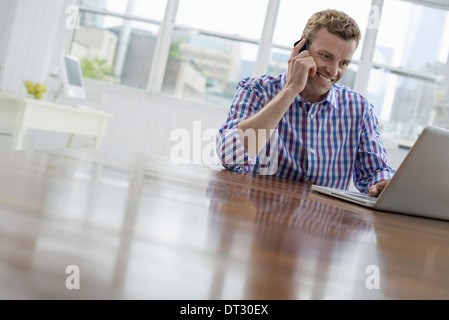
[72,77]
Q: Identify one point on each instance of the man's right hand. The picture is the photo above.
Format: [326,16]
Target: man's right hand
[300,67]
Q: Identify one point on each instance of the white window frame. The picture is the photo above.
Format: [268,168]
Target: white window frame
[265,45]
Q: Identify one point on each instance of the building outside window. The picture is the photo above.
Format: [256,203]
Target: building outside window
[409,65]
[213,46]
[116,40]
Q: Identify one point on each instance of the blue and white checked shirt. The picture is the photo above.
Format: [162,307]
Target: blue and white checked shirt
[324,143]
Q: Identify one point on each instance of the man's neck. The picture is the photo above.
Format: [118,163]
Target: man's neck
[312,98]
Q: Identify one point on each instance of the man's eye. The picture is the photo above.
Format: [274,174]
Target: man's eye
[326,56]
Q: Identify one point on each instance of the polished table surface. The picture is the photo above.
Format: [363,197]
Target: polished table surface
[139,227]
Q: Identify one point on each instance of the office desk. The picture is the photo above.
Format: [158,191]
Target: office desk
[137,227]
[20,114]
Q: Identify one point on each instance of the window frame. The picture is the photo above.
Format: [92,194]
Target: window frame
[265,45]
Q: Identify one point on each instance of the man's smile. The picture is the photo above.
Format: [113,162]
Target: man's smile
[324,78]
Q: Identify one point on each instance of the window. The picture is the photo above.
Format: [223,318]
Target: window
[205,47]
[114,47]
[210,53]
[147,9]
[230,17]
[293,16]
[206,68]
[409,63]
[414,43]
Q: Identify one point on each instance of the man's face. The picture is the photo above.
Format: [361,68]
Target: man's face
[332,55]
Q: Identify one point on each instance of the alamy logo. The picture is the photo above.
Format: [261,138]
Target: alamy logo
[374,18]
[73,18]
[200,147]
[181,151]
[73,280]
[373,280]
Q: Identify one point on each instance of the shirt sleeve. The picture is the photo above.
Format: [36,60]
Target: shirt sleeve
[371,164]
[249,98]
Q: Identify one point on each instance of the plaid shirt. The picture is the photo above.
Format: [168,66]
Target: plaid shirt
[323,143]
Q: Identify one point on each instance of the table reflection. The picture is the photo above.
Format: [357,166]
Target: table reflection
[290,246]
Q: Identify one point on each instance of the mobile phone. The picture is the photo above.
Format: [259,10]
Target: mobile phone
[304,47]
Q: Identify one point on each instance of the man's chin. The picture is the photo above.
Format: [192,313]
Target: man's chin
[323,90]
[318,90]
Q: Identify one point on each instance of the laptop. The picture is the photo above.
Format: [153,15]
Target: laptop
[419,187]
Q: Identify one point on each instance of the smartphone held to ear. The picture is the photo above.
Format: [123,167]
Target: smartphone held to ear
[305,46]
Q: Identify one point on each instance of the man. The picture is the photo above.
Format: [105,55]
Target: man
[313,129]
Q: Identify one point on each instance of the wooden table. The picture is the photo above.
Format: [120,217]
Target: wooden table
[126,226]
[19,114]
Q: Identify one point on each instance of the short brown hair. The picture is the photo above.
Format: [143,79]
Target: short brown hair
[336,22]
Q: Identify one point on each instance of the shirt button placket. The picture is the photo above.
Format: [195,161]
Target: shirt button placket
[311,145]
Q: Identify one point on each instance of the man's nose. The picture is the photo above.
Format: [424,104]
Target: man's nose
[332,69]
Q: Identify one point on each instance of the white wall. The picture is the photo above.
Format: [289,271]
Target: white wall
[32,36]
[144,124]
[6,20]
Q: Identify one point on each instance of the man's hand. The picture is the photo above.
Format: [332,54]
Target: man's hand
[300,67]
[377,188]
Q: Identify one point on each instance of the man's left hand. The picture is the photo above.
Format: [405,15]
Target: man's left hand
[377,188]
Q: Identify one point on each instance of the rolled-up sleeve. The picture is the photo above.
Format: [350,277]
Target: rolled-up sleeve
[232,153]
[249,98]
[371,165]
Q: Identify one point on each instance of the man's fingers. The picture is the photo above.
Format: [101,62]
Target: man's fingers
[311,66]
[298,47]
[377,188]
[312,70]
[373,191]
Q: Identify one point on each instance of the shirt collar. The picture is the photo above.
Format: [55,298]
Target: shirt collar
[332,97]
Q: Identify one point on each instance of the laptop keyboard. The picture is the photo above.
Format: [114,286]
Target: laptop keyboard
[361,195]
